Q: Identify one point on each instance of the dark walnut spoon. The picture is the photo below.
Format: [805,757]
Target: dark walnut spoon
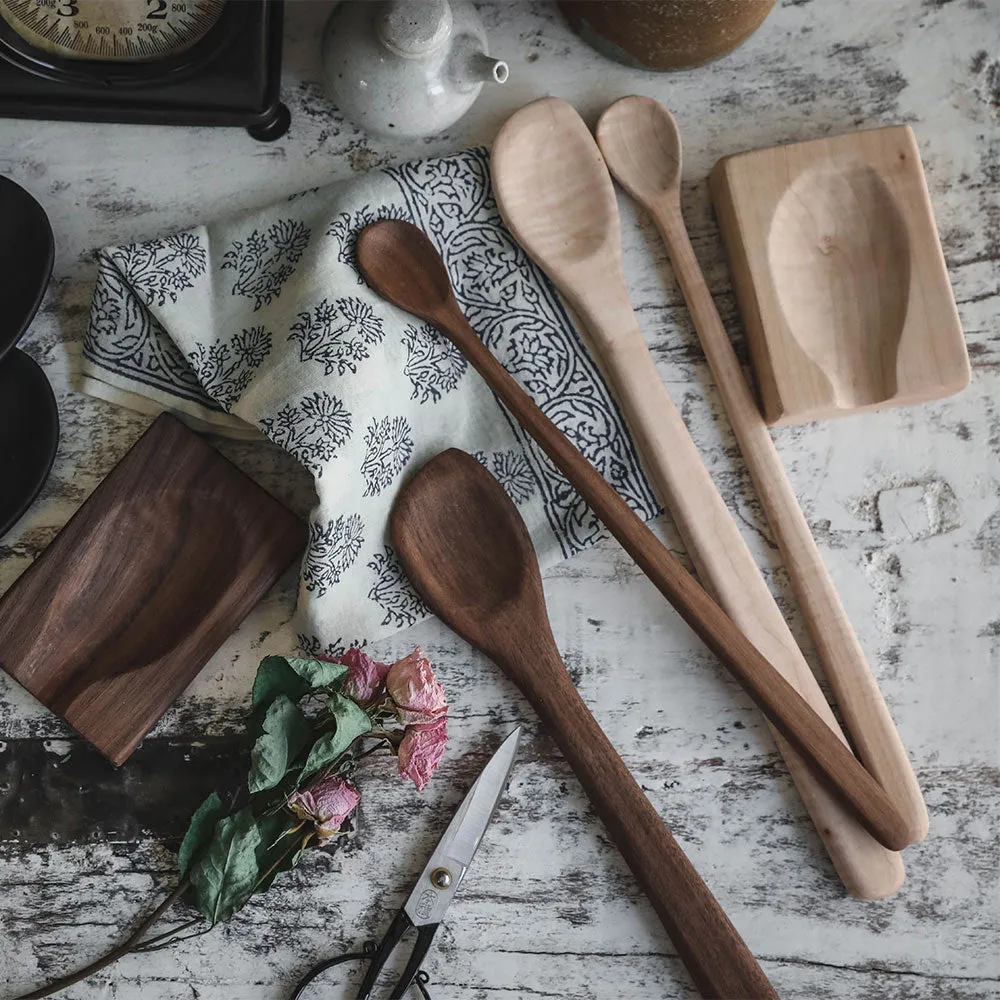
[467,551]
[401,264]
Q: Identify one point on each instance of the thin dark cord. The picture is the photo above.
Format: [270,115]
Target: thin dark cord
[419,980]
[317,970]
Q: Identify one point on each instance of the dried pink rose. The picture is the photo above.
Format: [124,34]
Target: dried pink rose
[418,694]
[365,679]
[326,805]
[421,751]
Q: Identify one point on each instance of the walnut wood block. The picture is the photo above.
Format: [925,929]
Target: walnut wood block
[143,585]
[839,275]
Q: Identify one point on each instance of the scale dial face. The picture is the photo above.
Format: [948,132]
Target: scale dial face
[125,31]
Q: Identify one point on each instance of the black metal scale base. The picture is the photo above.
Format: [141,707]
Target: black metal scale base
[230,77]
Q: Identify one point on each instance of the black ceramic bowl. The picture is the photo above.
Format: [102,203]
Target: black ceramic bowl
[29,433]
[29,420]
[26,253]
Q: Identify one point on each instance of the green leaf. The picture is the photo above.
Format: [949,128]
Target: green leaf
[225,875]
[285,733]
[293,678]
[352,722]
[275,676]
[318,673]
[276,852]
[199,831]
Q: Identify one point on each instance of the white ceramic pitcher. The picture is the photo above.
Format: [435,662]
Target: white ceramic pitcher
[406,67]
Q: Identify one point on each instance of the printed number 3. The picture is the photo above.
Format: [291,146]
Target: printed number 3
[69,8]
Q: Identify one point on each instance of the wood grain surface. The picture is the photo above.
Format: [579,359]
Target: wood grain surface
[903,504]
[143,585]
[839,275]
[467,551]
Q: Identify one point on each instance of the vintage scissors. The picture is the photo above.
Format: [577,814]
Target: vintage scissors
[437,885]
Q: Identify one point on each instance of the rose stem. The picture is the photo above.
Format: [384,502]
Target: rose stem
[157,942]
[116,953]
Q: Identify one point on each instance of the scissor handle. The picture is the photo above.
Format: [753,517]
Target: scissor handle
[425,935]
[399,926]
[377,958]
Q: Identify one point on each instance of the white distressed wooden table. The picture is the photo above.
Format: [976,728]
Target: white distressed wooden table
[904,505]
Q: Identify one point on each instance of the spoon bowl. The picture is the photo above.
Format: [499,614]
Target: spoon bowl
[399,261]
[642,146]
[554,193]
[467,549]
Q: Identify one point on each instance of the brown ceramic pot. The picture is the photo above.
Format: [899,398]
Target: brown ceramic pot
[665,34]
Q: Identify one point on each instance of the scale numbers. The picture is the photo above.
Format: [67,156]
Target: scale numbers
[133,31]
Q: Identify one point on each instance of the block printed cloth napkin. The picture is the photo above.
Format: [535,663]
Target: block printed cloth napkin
[262,324]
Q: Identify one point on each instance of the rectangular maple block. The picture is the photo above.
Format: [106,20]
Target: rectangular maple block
[839,275]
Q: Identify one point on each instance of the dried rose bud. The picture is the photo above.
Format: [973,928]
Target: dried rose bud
[418,694]
[421,751]
[365,679]
[326,805]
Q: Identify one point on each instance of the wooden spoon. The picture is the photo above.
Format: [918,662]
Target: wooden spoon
[401,264]
[556,196]
[467,551]
[642,147]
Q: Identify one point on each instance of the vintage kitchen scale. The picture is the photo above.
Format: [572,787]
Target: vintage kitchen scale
[163,62]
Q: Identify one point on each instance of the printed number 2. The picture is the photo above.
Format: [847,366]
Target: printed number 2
[69,8]
[159,11]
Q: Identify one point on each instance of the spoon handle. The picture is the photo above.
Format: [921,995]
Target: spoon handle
[778,700]
[854,686]
[711,948]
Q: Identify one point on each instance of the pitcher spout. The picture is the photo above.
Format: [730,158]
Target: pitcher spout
[472,67]
[484,68]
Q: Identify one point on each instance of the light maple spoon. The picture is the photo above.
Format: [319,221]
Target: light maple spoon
[642,146]
[400,262]
[554,192]
[467,552]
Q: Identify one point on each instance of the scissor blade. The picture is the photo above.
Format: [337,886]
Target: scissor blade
[443,874]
